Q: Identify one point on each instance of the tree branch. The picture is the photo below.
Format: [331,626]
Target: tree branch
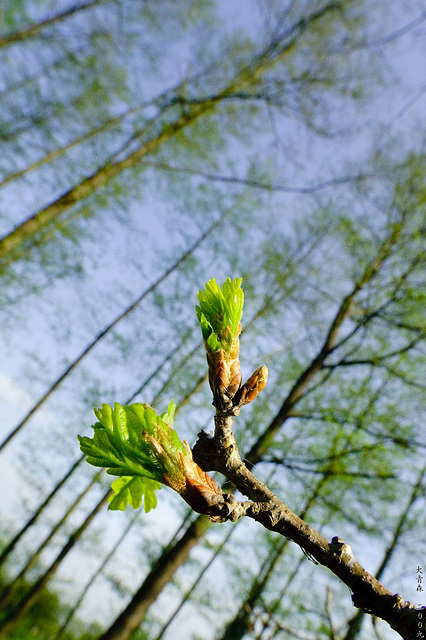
[220,453]
[34,29]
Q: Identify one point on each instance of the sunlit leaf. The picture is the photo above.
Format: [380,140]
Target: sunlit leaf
[131,491]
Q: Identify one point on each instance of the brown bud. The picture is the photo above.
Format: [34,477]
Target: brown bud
[224,377]
[252,386]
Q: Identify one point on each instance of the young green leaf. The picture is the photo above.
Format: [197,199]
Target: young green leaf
[104,415]
[134,442]
[132,490]
[220,312]
[139,445]
[120,422]
[169,416]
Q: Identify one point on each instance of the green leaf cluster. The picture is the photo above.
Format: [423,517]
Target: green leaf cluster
[220,312]
[139,445]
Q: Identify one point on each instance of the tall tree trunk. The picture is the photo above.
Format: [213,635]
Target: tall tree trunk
[330,343]
[60,151]
[189,592]
[14,245]
[161,574]
[109,327]
[34,557]
[34,29]
[16,613]
[98,571]
[12,544]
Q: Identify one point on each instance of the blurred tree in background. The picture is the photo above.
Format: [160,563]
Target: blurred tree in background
[147,146]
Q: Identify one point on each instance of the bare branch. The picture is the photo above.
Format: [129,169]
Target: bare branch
[110,326]
[330,343]
[34,29]
[263,506]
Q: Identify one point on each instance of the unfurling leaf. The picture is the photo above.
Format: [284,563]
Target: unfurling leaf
[131,490]
[219,314]
[139,445]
